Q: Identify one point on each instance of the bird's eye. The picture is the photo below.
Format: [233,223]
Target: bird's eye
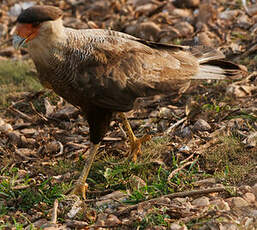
[35,24]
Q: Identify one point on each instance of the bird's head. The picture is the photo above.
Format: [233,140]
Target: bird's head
[35,23]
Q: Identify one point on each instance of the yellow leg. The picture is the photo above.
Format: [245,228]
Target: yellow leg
[81,185]
[135,143]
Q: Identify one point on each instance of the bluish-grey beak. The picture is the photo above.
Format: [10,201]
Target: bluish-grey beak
[18,41]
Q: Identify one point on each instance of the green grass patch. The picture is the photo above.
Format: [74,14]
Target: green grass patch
[32,196]
[62,166]
[230,161]
[15,225]
[156,187]
[15,77]
[156,217]
[112,173]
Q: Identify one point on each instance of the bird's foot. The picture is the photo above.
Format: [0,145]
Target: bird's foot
[81,186]
[80,190]
[135,146]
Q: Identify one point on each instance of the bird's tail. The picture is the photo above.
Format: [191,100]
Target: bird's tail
[211,66]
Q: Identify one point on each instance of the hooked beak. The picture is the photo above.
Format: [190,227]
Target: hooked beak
[18,41]
[24,32]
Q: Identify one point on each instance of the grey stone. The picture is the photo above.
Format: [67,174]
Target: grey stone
[201,125]
[201,202]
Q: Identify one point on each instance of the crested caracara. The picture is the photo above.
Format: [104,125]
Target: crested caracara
[104,71]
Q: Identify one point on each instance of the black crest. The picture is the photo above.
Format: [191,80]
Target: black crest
[38,14]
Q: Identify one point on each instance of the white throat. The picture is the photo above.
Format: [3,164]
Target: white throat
[51,37]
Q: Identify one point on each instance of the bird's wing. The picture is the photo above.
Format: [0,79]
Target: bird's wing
[118,70]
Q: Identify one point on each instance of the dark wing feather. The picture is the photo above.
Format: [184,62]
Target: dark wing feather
[119,71]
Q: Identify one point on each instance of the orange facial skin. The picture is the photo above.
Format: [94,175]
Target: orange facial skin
[27,31]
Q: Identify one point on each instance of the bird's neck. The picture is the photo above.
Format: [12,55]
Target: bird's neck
[44,52]
[52,37]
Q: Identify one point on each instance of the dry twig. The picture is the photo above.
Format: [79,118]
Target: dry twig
[39,114]
[174,172]
[171,196]
[179,122]
[54,214]
[76,224]
[61,149]
[21,114]
[187,159]
[251,11]
[20,187]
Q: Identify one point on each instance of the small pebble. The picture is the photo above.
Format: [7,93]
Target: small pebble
[249,197]
[201,202]
[6,128]
[201,125]
[254,188]
[175,226]
[239,202]
[112,220]
[221,205]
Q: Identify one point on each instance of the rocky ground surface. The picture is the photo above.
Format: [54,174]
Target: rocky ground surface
[197,172]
